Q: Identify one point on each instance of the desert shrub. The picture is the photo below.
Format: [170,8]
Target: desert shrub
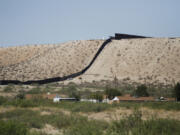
[26,103]
[89,107]
[162,105]
[86,93]
[97,95]
[36,90]
[69,90]
[59,120]
[33,119]
[36,133]
[141,91]
[125,125]
[20,95]
[111,93]
[22,103]
[157,126]
[8,88]
[3,100]
[24,116]
[75,94]
[74,123]
[134,125]
[87,127]
[12,128]
[177,91]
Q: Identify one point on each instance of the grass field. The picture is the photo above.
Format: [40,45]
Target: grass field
[87,107]
[41,117]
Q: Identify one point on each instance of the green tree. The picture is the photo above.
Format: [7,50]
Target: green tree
[3,100]
[8,88]
[111,93]
[177,91]
[72,91]
[35,90]
[21,95]
[12,128]
[76,95]
[141,91]
[97,96]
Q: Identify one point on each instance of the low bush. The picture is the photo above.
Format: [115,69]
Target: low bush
[87,127]
[90,107]
[8,88]
[59,120]
[36,133]
[24,116]
[141,91]
[96,95]
[3,100]
[18,122]
[12,128]
[35,90]
[177,91]
[111,93]
[22,103]
[162,105]
[134,125]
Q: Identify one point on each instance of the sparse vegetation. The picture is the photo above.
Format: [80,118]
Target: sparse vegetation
[86,106]
[35,90]
[134,124]
[97,95]
[8,88]
[12,128]
[20,95]
[112,92]
[20,121]
[3,100]
[141,91]
[177,91]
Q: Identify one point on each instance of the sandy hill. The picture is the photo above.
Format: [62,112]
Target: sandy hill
[152,60]
[46,61]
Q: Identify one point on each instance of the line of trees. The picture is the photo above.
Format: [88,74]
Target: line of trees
[177,91]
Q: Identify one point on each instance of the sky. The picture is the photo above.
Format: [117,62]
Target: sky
[24,22]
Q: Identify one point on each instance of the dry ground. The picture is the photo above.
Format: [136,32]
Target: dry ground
[56,60]
[120,113]
[109,115]
[152,60]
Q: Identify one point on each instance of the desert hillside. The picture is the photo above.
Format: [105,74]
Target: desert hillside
[46,61]
[148,60]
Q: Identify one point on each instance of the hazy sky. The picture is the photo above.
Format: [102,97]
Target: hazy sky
[55,21]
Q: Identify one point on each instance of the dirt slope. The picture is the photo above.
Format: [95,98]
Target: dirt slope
[152,60]
[47,61]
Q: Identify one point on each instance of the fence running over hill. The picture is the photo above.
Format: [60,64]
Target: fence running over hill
[56,79]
